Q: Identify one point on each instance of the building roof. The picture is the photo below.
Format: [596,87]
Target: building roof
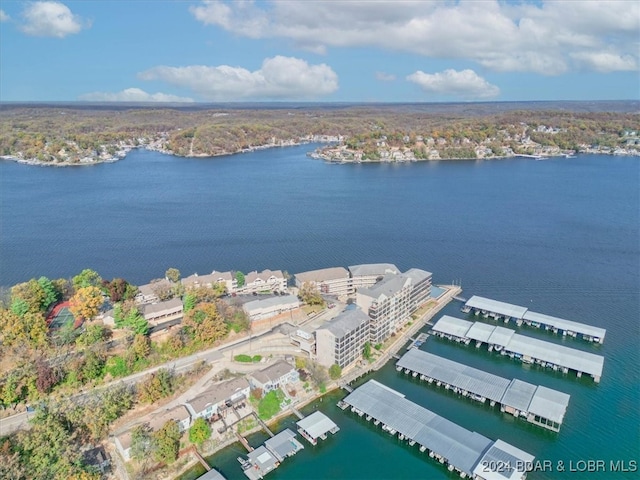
[177,413]
[501,336]
[416,275]
[480,331]
[452,326]
[548,403]
[218,393]
[513,463]
[283,445]
[389,286]
[95,456]
[263,459]
[323,275]
[212,474]
[456,374]
[462,448]
[149,289]
[264,276]
[160,307]
[273,372]
[316,424]
[284,300]
[494,306]
[345,322]
[518,395]
[369,269]
[563,324]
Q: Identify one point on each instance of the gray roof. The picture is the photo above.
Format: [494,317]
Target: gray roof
[287,300]
[462,448]
[578,360]
[456,374]
[218,393]
[387,287]
[452,326]
[263,459]
[494,306]
[323,275]
[518,395]
[346,322]
[273,372]
[212,474]
[480,331]
[283,445]
[263,275]
[539,400]
[316,424]
[368,269]
[150,288]
[172,305]
[563,324]
[416,275]
[512,462]
[548,403]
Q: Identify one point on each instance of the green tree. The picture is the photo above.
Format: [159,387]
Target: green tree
[86,278]
[366,351]
[140,347]
[31,293]
[19,307]
[51,294]
[270,404]
[240,279]
[189,302]
[173,274]
[142,445]
[335,372]
[167,442]
[11,392]
[199,431]
[93,334]
[157,385]
[93,366]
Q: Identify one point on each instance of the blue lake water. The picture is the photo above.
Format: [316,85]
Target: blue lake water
[560,236]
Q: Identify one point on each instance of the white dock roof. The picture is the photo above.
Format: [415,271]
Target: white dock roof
[462,448]
[452,326]
[501,336]
[504,454]
[454,373]
[480,331]
[563,324]
[518,395]
[501,308]
[550,404]
[557,354]
[316,424]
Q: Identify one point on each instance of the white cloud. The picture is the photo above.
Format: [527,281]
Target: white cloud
[606,61]
[465,84]
[3,16]
[385,77]
[547,37]
[132,95]
[279,78]
[50,19]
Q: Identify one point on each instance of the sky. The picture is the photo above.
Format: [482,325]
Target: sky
[321,51]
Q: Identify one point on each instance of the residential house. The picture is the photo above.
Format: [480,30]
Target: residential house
[208,281]
[218,397]
[97,459]
[274,376]
[149,293]
[267,281]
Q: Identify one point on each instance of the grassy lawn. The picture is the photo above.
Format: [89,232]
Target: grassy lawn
[270,404]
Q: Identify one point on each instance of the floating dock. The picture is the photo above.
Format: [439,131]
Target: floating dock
[539,405]
[316,426]
[268,457]
[467,453]
[508,312]
[521,347]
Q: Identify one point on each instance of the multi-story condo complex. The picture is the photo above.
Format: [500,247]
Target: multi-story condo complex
[369,274]
[198,281]
[328,281]
[262,282]
[341,340]
[390,302]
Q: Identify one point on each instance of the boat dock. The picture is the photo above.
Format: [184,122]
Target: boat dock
[316,426]
[417,343]
[521,347]
[268,456]
[467,453]
[521,315]
[539,405]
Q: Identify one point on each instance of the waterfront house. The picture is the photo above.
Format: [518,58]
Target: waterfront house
[274,376]
[218,398]
[159,312]
[328,281]
[208,281]
[149,293]
[267,281]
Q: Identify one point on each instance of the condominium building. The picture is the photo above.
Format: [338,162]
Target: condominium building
[390,302]
[328,281]
[341,340]
[263,282]
[208,281]
[367,275]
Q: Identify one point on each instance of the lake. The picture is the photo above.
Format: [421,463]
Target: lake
[560,236]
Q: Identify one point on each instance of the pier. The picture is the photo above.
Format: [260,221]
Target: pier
[270,455]
[467,453]
[316,426]
[526,349]
[539,405]
[521,315]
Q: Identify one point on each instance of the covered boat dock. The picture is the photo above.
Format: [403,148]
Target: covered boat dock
[467,453]
[539,405]
[508,312]
[315,426]
[526,349]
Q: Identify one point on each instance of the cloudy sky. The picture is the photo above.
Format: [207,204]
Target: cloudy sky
[346,51]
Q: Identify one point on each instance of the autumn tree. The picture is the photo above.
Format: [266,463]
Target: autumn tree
[173,274]
[158,385]
[93,334]
[309,294]
[141,442]
[119,289]
[204,323]
[86,302]
[48,377]
[30,328]
[167,442]
[140,347]
[86,278]
[31,293]
[200,431]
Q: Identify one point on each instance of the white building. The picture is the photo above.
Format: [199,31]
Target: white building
[274,376]
[328,281]
[267,281]
[367,275]
[217,398]
[208,281]
[341,340]
[262,309]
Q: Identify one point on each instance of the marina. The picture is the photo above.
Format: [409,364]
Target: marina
[539,405]
[268,457]
[316,426]
[467,453]
[526,349]
[521,315]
